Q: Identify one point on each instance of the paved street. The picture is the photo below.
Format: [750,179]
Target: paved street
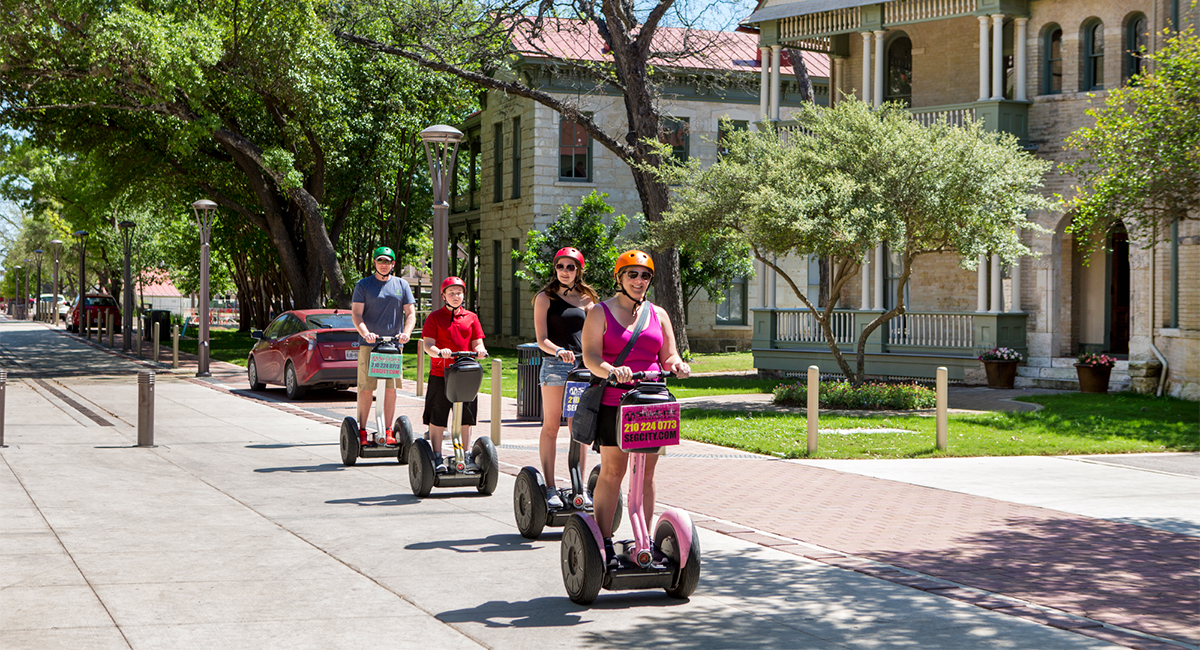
[243,529]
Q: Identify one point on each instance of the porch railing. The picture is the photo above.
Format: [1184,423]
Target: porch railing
[953,115]
[802,327]
[934,330]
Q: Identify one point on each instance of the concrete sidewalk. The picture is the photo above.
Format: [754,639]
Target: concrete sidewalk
[242,529]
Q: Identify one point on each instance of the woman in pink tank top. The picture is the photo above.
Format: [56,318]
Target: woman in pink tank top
[606,332]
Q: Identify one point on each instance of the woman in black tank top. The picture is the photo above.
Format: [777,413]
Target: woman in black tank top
[559,311]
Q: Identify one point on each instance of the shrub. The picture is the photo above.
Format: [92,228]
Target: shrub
[870,396]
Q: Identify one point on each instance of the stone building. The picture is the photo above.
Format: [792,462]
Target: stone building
[520,161]
[1029,67]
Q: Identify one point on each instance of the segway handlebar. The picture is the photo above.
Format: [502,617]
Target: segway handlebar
[652,375]
[463,354]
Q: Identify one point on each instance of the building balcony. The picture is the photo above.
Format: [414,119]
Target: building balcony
[997,115]
[912,345]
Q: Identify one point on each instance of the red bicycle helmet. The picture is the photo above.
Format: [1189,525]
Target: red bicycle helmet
[452,281]
[570,252]
[634,258]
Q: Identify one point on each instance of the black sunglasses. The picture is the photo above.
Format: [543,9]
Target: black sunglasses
[645,275]
[565,267]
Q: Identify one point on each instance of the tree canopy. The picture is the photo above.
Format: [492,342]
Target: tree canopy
[849,178]
[1140,161]
[582,228]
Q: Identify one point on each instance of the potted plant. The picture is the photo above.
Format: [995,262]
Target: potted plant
[1093,369]
[1001,366]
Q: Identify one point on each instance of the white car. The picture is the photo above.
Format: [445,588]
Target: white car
[64,305]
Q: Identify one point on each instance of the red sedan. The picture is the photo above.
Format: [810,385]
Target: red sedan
[303,349]
[98,306]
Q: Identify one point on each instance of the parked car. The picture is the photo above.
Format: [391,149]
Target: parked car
[303,349]
[98,306]
[64,305]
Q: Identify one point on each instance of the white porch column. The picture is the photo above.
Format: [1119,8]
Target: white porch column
[762,276]
[764,84]
[997,288]
[981,284]
[984,69]
[774,278]
[1019,36]
[866,68]
[997,56]
[879,278]
[1015,275]
[776,55]
[839,75]
[865,272]
[877,96]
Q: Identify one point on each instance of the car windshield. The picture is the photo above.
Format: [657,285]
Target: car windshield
[101,301]
[337,321]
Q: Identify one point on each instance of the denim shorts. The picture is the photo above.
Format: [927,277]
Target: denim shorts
[554,372]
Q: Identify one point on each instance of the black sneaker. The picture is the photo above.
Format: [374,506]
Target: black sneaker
[610,554]
[439,465]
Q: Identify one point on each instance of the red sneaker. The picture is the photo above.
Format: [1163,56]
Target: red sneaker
[363,440]
[391,437]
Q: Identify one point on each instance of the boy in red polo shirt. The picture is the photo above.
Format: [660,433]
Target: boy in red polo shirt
[449,329]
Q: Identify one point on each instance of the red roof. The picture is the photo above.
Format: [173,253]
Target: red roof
[156,283]
[708,50]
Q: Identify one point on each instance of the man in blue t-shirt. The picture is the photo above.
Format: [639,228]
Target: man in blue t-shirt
[376,308]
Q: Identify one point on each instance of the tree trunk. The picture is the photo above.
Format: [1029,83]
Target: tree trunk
[802,79]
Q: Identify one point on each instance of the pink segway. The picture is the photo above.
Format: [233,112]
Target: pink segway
[649,419]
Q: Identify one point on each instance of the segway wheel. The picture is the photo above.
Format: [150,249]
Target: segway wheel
[489,462]
[404,438]
[582,563]
[349,442]
[686,577]
[529,502]
[594,478]
[420,468]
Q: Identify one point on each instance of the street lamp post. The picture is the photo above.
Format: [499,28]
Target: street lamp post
[204,212]
[37,292]
[127,312]
[25,296]
[17,301]
[441,146]
[56,244]
[81,235]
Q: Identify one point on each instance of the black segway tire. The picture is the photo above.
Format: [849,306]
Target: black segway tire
[593,478]
[582,562]
[489,463]
[686,577]
[420,468]
[529,502]
[403,430]
[349,442]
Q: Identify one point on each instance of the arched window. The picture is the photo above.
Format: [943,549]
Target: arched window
[899,74]
[1052,68]
[1137,41]
[1093,56]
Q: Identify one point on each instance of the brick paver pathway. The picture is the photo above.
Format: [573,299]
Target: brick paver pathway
[1026,558]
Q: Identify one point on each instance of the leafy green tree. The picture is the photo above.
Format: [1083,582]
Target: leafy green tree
[1140,162]
[583,228]
[849,178]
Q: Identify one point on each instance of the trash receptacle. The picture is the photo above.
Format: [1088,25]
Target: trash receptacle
[152,316]
[529,393]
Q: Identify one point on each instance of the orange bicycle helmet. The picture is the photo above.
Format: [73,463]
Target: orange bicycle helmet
[634,258]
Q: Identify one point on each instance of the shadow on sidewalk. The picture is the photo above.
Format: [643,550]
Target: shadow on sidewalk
[1113,572]
[389,500]
[489,544]
[304,469]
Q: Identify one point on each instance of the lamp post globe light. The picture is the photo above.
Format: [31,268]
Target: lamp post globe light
[81,236]
[204,210]
[37,292]
[56,246]
[441,146]
[127,310]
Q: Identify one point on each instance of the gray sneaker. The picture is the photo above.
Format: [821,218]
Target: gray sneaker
[439,465]
[470,463]
[553,500]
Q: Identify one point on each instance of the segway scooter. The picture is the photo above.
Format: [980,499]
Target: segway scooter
[385,363]
[649,418]
[463,378]
[531,507]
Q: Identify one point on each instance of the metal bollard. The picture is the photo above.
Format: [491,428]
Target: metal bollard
[87,325]
[156,333]
[420,369]
[110,329]
[814,402]
[943,400]
[496,401]
[175,346]
[137,336]
[3,390]
[145,425]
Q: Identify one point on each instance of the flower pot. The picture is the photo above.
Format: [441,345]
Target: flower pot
[1000,374]
[1093,379]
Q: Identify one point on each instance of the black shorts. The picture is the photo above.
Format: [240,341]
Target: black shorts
[438,408]
[606,427]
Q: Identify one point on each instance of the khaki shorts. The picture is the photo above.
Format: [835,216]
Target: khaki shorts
[366,382]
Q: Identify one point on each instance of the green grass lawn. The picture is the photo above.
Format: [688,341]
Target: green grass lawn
[722,362]
[1069,423]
